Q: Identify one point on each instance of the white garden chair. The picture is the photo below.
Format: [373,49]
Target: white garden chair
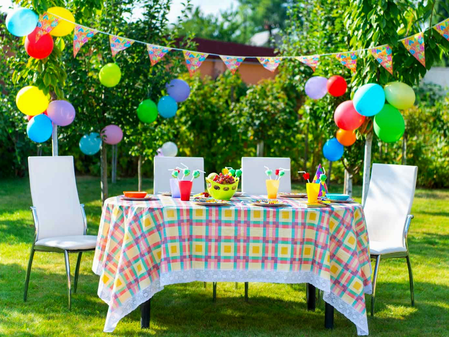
[387,211]
[59,219]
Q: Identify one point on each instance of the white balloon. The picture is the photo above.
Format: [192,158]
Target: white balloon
[169,149]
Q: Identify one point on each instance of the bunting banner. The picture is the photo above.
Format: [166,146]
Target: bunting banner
[349,60]
[311,61]
[81,36]
[270,63]
[156,53]
[415,45]
[232,62]
[443,29]
[383,55]
[47,22]
[194,60]
[119,43]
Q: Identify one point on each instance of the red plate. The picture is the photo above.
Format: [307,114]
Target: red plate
[131,194]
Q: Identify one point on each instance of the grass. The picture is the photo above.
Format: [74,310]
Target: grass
[187,309]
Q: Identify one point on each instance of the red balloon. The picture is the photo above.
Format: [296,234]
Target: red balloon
[347,118]
[31,117]
[336,86]
[40,49]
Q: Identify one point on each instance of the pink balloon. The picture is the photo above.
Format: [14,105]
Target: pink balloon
[112,134]
[61,113]
[347,118]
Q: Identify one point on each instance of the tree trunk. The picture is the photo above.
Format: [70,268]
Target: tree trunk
[306,148]
[139,174]
[54,141]
[404,149]
[347,189]
[367,165]
[114,164]
[329,176]
[260,149]
[104,173]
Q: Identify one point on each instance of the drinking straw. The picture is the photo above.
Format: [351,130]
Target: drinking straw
[268,172]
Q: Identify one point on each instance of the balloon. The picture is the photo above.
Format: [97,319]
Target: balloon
[369,99]
[346,117]
[40,49]
[147,111]
[159,153]
[167,107]
[90,143]
[39,129]
[112,134]
[31,101]
[169,149]
[399,95]
[110,75]
[316,87]
[333,150]
[28,117]
[61,113]
[346,138]
[64,27]
[179,90]
[21,22]
[389,124]
[336,86]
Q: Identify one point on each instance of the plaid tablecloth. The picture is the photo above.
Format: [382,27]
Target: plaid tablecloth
[143,246]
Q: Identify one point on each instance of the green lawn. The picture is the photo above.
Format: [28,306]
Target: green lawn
[181,310]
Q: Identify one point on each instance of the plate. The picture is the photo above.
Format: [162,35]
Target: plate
[166,194]
[135,194]
[269,203]
[329,201]
[239,194]
[292,195]
[336,196]
[315,205]
[148,197]
[210,202]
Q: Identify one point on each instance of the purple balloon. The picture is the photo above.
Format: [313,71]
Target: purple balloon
[316,87]
[61,113]
[112,134]
[179,90]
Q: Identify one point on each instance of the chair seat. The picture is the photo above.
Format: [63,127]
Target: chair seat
[75,242]
[382,248]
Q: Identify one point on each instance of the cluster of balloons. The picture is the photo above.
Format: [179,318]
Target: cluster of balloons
[317,87]
[90,144]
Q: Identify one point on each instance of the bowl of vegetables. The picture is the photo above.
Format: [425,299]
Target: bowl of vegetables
[222,186]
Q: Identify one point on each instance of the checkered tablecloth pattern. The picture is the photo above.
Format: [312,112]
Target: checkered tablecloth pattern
[145,245]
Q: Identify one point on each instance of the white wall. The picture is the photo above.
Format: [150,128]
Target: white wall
[438,75]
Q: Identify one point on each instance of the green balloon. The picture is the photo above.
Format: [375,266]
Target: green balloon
[147,111]
[110,75]
[399,95]
[389,124]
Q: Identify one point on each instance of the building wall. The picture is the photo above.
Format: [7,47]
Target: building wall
[438,75]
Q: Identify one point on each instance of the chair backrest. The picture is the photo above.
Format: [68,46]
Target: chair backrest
[254,177]
[54,194]
[389,202]
[162,175]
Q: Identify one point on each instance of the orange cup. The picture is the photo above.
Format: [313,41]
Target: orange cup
[272,188]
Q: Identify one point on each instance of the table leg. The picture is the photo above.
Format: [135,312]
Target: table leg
[145,310]
[329,316]
[311,297]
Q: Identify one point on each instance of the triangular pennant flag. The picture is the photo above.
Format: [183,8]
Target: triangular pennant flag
[443,29]
[119,43]
[383,55]
[270,63]
[47,22]
[311,61]
[81,36]
[316,179]
[348,59]
[156,53]
[415,45]
[232,62]
[194,60]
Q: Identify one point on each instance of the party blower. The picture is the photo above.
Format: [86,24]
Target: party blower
[273,184]
[180,187]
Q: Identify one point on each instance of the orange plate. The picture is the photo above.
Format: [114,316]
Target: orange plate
[135,194]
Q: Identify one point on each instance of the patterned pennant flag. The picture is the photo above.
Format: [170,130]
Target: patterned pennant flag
[47,22]
[443,29]
[194,60]
[415,45]
[270,63]
[383,55]
[232,62]
[156,53]
[348,59]
[81,36]
[311,61]
[119,43]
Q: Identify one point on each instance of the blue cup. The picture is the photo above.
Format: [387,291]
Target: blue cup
[174,187]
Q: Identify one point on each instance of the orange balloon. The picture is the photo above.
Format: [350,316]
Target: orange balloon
[346,138]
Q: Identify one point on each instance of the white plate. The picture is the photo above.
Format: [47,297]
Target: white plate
[239,194]
[148,197]
[293,195]
[262,204]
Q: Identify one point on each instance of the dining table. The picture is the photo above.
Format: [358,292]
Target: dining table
[143,246]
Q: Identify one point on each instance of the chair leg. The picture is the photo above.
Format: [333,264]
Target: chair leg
[374,283]
[214,291]
[246,291]
[236,285]
[27,279]
[410,276]
[205,285]
[77,271]
[67,269]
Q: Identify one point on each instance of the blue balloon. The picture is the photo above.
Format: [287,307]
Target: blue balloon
[39,128]
[179,90]
[90,144]
[333,150]
[167,107]
[369,99]
[21,22]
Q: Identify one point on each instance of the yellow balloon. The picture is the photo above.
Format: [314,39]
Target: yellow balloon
[399,95]
[31,101]
[64,27]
